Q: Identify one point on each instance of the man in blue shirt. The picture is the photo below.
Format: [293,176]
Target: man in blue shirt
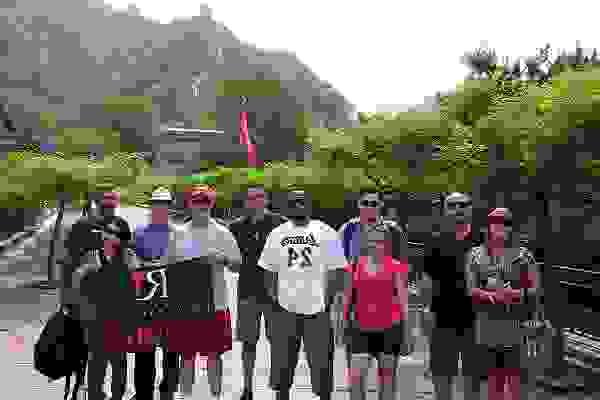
[151,247]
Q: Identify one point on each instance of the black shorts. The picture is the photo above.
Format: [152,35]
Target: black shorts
[500,357]
[389,341]
[249,313]
[447,344]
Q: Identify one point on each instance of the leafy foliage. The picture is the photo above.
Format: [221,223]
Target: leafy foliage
[516,108]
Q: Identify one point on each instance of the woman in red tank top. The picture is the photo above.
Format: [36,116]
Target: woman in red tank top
[376,311]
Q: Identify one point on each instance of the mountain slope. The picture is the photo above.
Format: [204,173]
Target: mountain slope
[63,55]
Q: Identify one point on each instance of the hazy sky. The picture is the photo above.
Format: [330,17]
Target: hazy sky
[370,50]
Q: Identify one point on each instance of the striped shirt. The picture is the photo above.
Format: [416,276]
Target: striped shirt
[499,325]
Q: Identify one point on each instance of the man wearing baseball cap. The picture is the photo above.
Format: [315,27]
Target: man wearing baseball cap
[98,262]
[199,252]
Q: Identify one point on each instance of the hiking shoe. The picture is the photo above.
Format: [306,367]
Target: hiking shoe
[246,395]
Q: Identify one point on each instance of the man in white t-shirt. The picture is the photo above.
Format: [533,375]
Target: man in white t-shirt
[200,250]
[306,260]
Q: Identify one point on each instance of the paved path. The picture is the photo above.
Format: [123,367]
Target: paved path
[18,335]
[16,357]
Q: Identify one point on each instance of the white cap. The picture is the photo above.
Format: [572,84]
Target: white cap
[161,194]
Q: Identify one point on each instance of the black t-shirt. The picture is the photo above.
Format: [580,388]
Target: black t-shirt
[251,237]
[109,288]
[445,261]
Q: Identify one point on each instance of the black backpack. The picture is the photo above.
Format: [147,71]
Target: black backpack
[61,351]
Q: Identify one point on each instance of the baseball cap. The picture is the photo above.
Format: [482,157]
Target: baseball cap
[200,194]
[110,199]
[500,216]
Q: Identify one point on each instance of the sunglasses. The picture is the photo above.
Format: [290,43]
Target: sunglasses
[456,204]
[506,223]
[297,202]
[370,203]
[202,199]
[378,228]
[256,196]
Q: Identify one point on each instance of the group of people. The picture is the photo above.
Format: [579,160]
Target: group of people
[297,273]
[482,299]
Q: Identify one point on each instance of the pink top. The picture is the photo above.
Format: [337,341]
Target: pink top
[381,297]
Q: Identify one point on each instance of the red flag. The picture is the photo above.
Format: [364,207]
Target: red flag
[245,140]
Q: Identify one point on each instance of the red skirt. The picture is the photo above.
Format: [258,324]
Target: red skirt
[203,337]
[117,340]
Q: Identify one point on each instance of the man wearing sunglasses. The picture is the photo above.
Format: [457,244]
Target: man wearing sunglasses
[251,233]
[304,257]
[451,311]
[355,233]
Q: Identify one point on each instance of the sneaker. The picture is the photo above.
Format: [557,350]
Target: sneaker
[282,395]
[167,396]
[427,373]
[246,395]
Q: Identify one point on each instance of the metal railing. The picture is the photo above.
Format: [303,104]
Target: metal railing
[583,347]
[182,131]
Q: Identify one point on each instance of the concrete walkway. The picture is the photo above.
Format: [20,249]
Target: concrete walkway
[23,320]
[20,379]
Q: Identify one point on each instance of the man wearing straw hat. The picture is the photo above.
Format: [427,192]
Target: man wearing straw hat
[151,248]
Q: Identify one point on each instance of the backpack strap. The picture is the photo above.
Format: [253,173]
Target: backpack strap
[477,257]
[352,300]
[79,375]
[79,378]
[348,236]
[67,387]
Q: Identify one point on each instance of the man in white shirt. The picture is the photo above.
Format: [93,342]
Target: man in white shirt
[306,260]
[201,249]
